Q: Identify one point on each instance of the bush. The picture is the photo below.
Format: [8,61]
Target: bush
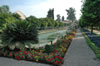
[19,33]
[49,48]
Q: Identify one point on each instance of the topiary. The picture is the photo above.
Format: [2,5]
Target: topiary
[18,34]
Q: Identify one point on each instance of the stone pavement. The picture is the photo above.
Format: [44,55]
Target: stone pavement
[79,53]
[13,62]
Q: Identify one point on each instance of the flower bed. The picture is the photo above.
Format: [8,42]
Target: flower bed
[93,41]
[55,57]
[93,37]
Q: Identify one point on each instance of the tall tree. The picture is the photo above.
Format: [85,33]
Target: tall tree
[91,12]
[58,18]
[51,13]
[4,9]
[62,18]
[71,14]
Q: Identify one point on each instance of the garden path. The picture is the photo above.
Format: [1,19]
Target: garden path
[13,62]
[79,53]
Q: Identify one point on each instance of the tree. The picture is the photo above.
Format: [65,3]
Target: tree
[33,20]
[16,16]
[5,16]
[58,18]
[51,13]
[62,18]
[71,14]
[91,12]
[4,9]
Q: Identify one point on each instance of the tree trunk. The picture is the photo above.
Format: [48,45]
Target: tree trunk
[92,29]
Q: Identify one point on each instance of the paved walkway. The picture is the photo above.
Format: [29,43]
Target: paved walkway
[13,62]
[79,54]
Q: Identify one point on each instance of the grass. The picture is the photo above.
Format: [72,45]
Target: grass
[92,45]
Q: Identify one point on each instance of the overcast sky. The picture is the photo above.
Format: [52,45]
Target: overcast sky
[39,8]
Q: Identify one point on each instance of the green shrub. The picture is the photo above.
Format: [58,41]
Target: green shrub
[19,33]
[49,48]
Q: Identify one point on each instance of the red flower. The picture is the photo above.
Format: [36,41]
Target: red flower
[20,50]
[49,60]
[59,62]
[52,58]
[45,56]
[51,53]
[17,57]
[15,53]
[10,54]
[56,51]
[60,58]
[59,55]
[25,53]
[56,62]
[21,56]
[56,56]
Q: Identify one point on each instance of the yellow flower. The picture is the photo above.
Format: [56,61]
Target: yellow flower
[70,37]
[41,51]
[37,60]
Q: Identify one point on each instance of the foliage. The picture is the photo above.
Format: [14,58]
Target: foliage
[40,23]
[5,16]
[49,48]
[34,20]
[62,18]
[51,14]
[18,33]
[58,18]
[71,14]
[48,23]
[90,13]
[16,16]
[4,9]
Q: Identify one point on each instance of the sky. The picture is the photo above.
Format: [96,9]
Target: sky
[39,8]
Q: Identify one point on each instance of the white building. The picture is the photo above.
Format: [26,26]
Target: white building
[22,16]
